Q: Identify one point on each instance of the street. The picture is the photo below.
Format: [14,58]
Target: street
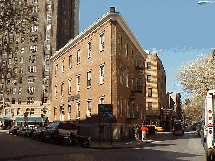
[165,147]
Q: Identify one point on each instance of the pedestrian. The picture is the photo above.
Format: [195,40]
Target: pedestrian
[137,133]
[143,129]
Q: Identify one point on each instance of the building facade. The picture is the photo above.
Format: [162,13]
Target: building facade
[30,32]
[156,98]
[176,97]
[102,65]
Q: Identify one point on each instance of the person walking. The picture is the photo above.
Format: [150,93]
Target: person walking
[143,129]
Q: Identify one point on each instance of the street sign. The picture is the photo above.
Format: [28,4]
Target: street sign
[105,110]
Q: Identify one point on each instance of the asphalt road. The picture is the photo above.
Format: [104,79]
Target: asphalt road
[165,147]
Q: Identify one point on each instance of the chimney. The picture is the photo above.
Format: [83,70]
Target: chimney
[112,9]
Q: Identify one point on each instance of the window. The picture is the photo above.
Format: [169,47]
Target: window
[120,42]
[89,49]
[12,111]
[69,112]
[120,75]
[127,80]
[19,100]
[149,106]
[33,48]
[102,42]
[30,100]
[149,78]
[101,74]
[55,92]
[56,69]
[102,100]
[19,112]
[126,50]
[46,57]
[31,90]
[35,1]
[89,79]
[46,68]
[62,89]
[88,108]
[49,7]
[6,112]
[13,90]
[32,58]
[48,36]
[20,70]
[78,111]
[32,69]
[132,84]
[34,38]
[21,59]
[32,111]
[78,57]
[78,83]
[70,61]
[149,92]
[49,16]
[34,28]
[55,113]
[121,106]
[148,65]
[69,86]
[47,46]
[48,26]
[31,79]
[22,50]
[62,67]
[132,55]
[20,79]
[20,90]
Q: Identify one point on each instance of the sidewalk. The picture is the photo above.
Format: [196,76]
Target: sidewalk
[119,145]
[4,131]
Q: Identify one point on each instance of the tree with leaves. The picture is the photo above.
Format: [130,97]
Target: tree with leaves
[196,77]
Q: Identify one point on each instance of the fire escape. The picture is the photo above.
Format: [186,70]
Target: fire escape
[137,88]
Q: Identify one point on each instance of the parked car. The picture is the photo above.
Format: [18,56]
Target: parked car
[38,133]
[22,131]
[13,130]
[29,132]
[157,128]
[66,133]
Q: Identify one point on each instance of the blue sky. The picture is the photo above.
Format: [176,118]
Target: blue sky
[181,28]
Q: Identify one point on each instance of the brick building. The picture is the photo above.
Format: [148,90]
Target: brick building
[102,65]
[156,98]
[30,32]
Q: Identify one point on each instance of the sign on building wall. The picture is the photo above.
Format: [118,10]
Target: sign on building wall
[105,110]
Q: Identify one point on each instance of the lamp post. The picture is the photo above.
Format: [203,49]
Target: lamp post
[205,2]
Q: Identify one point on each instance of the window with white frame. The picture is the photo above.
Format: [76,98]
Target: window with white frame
[20,70]
[22,49]
[127,80]
[102,100]
[46,68]
[149,92]
[20,90]
[34,28]
[126,50]
[49,16]
[49,7]
[13,90]
[35,1]
[31,79]
[32,69]
[120,42]
[62,67]
[32,58]
[31,90]
[70,61]
[89,78]
[88,108]
[47,46]
[55,93]
[101,74]
[48,36]
[62,89]
[78,57]
[78,114]
[48,26]
[121,106]
[120,75]
[56,69]
[102,45]
[30,100]
[132,84]
[70,86]
[149,78]
[21,59]
[69,112]
[46,57]
[89,49]
[78,83]
[33,48]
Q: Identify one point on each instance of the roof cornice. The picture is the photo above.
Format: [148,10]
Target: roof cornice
[109,16]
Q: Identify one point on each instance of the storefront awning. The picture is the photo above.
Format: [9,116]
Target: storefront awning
[30,119]
[5,119]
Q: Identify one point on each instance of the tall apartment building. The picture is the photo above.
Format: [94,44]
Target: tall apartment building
[102,65]
[176,97]
[156,98]
[30,32]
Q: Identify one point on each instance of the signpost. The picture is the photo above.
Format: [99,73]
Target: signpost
[105,110]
